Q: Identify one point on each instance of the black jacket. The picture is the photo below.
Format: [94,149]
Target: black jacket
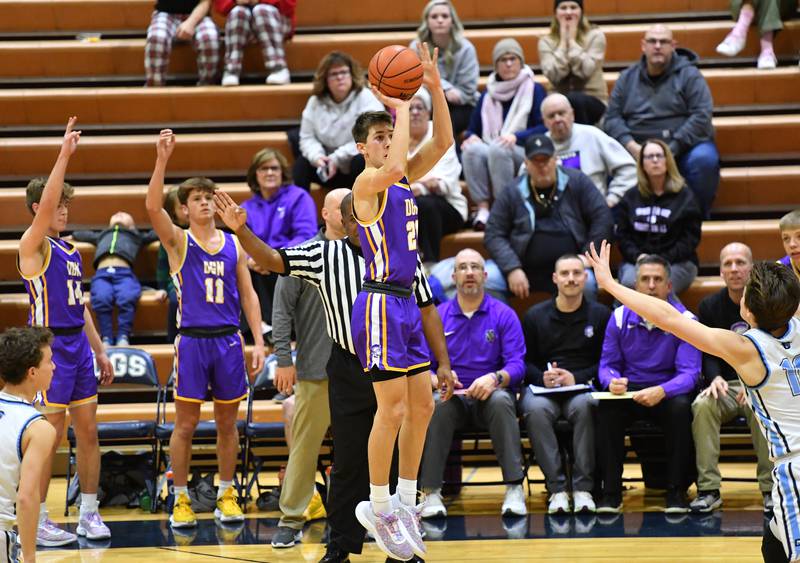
[512,220]
[668,225]
[117,241]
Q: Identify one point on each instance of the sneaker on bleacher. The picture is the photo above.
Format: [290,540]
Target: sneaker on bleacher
[434,507]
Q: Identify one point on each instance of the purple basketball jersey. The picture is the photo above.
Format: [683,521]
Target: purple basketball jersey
[55,294]
[389,242]
[206,284]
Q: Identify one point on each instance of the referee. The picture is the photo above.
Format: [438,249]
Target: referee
[336,268]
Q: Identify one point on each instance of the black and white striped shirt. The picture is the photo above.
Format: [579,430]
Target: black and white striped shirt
[336,268]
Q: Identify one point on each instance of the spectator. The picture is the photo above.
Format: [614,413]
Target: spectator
[180,217]
[769,16]
[548,212]
[442,206]
[660,217]
[506,115]
[662,372]
[563,341]
[664,96]
[572,56]
[279,213]
[487,351]
[114,281]
[271,22]
[458,60]
[588,149]
[724,396]
[326,152]
[298,306]
[789,226]
[185,20]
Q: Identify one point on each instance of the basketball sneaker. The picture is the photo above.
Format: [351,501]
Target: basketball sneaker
[559,503]
[706,501]
[228,508]
[91,526]
[411,520]
[182,514]
[610,504]
[50,535]
[387,531]
[434,507]
[583,501]
[315,509]
[676,502]
[514,502]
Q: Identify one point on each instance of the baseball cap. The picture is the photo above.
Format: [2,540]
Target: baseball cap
[537,145]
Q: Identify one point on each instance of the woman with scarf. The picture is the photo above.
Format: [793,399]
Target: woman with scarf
[507,113]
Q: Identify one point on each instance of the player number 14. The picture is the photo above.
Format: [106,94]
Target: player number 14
[411,228]
[74,292]
[215,290]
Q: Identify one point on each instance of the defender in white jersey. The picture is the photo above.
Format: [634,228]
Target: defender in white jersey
[26,438]
[767,360]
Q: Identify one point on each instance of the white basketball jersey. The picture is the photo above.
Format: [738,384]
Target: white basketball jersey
[16,415]
[776,400]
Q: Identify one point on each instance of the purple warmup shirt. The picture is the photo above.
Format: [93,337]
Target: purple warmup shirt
[648,357]
[389,242]
[489,341]
[55,294]
[286,219]
[206,283]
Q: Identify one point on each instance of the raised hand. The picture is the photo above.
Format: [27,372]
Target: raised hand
[600,263]
[70,143]
[231,214]
[165,144]
[394,103]
[430,67]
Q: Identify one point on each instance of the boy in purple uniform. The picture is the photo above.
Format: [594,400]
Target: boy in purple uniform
[52,271]
[210,275]
[385,317]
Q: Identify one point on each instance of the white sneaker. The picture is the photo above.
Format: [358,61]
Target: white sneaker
[514,503]
[731,46]
[767,61]
[230,79]
[559,504]
[434,507]
[583,501]
[281,76]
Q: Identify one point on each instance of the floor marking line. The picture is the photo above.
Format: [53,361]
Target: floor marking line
[178,550]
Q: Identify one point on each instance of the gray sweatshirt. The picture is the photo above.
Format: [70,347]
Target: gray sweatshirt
[462,73]
[297,303]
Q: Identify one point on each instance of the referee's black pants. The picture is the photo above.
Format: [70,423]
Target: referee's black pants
[353,406]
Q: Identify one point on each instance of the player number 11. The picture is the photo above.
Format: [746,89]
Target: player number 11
[213,296]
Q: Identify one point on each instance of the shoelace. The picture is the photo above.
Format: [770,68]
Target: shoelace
[391,522]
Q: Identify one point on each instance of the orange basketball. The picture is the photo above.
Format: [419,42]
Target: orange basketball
[396,71]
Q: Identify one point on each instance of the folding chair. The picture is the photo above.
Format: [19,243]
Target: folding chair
[135,376]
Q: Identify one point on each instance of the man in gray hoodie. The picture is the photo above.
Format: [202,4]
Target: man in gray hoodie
[664,96]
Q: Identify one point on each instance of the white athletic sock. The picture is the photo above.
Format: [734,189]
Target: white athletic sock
[407,491]
[88,503]
[223,486]
[179,490]
[42,512]
[380,499]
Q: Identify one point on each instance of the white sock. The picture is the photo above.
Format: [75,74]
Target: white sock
[88,503]
[380,499]
[407,491]
[42,512]
[223,486]
[179,490]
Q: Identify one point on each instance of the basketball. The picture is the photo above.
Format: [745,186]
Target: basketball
[396,71]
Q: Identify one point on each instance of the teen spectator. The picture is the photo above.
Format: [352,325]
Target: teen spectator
[789,226]
[769,16]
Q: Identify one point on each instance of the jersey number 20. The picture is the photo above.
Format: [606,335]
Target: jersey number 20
[792,370]
[215,290]
[411,229]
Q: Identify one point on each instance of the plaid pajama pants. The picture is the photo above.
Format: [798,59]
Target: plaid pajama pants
[160,36]
[262,22]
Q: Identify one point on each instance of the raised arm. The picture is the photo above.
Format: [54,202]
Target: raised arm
[235,218]
[432,151]
[734,349]
[37,443]
[167,232]
[30,244]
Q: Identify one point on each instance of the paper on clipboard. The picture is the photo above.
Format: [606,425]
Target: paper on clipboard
[538,390]
[605,395]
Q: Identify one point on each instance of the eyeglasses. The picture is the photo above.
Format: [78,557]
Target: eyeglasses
[655,157]
[653,41]
[339,74]
[419,108]
[266,169]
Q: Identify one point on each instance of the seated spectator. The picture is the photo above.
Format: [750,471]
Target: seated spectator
[487,351]
[723,398]
[271,22]
[548,212]
[563,341]
[572,56]
[180,216]
[662,372]
[279,213]
[664,96]
[184,20]
[458,60]
[442,206]
[789,226]
[660,217]
[506,115]
[325,152]
[114,282]
[588,149]
[769,16]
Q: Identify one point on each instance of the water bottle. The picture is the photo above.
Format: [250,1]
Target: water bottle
[170,491]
